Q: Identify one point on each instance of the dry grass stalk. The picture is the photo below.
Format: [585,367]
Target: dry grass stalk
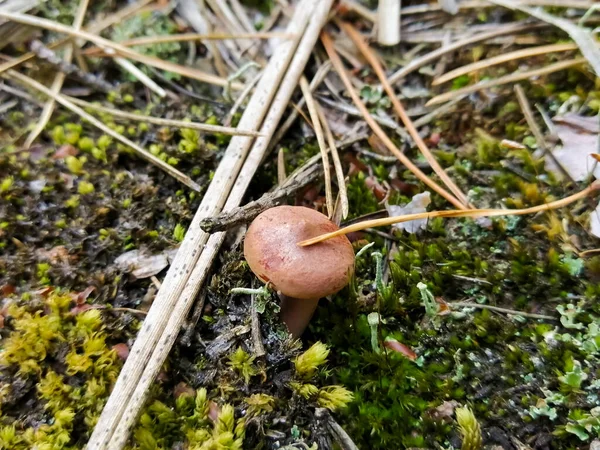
[320,75]
[388,22]
[200,270]
[128,66]
[316,123]
[95,27]
[535,130]
[238,101]
[501,59]
[399,109]
[517,76]
[582,37]
[204,127]
[337,164]
[438,53]
[91,119]
[58,81]
[339,67]
[472,213]
[190,266]
[121,50]
[281,175]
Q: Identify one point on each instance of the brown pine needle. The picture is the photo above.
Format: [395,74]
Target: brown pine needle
[339,67]
[314,117]
[503,58]
[399,108]
[120,50]
[91,119]
[473,213]
[517,76]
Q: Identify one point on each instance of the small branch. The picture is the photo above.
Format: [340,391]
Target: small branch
[339,434]
[512,312]
[517,76]
[67,68]
[388,22]
[128,66]
[91,119]
[472,213]
[247,213]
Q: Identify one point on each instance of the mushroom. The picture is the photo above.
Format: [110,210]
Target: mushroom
[301,275]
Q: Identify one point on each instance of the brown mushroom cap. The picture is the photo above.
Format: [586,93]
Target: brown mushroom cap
[302,272]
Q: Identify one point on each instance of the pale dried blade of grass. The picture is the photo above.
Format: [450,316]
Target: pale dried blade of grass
[438,53]
[58,81]
[207,128]
[320,75]
[94,28]
[243,94]
[91,119]
[173,300]
[502,58]
[128,66]
[281,175]
[401,112]
[339,67]
[192,37]
[535,129]
[517,76]
[472,213]
[201,268]
[318,129]
[582,37]
[121,50]
[337,164]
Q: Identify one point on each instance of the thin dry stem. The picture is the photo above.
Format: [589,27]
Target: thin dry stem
[59,79]
[238,101]
[583,38]
[337,164]
[281,175]
[503,58]
[120,49]
[473,213]
[535,130]
[91,119]
[419,62]
[339,67]
[95,28]
[399,109]
[314,117]
[511,312]
[128,66]
[517,76]
[204,127]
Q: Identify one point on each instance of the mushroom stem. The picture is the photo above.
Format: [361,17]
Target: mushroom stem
[296,313]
